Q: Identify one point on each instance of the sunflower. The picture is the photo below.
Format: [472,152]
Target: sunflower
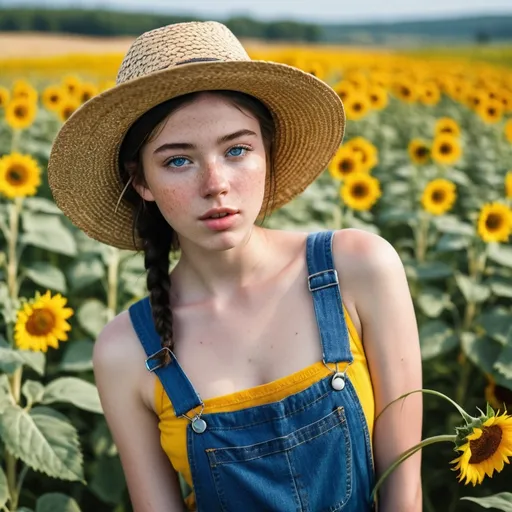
[360,191]
[475,98]
[41,323]
[508,185]
[67,107]
[499,397]
[23,90]
[87,91]
[345,162]
[490,111]
[72,84]
[438,196]
[487,449]
[419,151]
[344,89]
[446,149]
[20,113]
[53,96]
[20,175]
[429,94]
[358,79]
[378,97]
[4,96]
[508,130]
[495,222]
[368,152]
[405,90]
[357,105]
[447,125]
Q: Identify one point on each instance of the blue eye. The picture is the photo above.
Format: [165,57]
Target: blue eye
[237,151]
[178,161]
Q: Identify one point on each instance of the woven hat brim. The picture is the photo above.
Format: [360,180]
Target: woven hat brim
[83,167]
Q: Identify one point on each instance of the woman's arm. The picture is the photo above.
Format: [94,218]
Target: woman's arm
[377,282]
[119,370]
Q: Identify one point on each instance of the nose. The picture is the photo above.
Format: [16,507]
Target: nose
[214,180]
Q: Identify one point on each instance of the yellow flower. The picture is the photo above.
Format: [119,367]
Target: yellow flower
[72,84]
[360,191]
[344,89]
[475,98]
[53,96]
[20,175]
[419,151]
[345,162]
[495,222]
[378,97]
[508,185]
[357,105]
[446,149]
[20,113]
[447,125]
[429,94]
[439,196]
[4,96]
[406,91]
[368,152]
[486,450]
[41,323]
[87,91]
[23,90]
[491,111]
[508,130]
[358,79]
[67,107]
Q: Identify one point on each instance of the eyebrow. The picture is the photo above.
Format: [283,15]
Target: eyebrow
[188,145]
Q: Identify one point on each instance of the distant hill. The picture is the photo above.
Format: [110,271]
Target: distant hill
[460,30]
[97,22]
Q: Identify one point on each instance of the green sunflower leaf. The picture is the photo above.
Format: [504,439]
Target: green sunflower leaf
[501,501]
[44,440]
[47,276]
[75,391]
[4,489]
[56,502]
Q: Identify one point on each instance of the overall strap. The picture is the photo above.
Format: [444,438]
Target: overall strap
[324,286]
[178,387]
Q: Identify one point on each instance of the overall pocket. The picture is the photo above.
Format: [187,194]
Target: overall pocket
[307,470]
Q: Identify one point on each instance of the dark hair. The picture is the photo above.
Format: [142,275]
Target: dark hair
[157,236]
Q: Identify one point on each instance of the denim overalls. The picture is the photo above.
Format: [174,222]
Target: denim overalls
[308,452]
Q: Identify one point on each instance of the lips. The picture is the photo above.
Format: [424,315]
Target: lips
[218,213]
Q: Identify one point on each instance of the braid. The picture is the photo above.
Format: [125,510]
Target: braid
[157,238]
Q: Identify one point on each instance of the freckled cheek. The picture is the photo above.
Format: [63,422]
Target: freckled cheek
[174,202]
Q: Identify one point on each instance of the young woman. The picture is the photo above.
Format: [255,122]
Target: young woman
[256,368]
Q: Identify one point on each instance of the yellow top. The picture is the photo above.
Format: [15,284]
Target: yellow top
[173,429]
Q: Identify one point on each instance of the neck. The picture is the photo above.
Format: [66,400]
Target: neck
[203,274]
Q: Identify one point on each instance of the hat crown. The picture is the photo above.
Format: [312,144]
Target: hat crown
[180,43]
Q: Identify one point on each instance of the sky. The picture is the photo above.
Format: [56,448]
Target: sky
[331,11]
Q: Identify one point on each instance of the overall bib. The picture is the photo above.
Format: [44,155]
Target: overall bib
[309,452]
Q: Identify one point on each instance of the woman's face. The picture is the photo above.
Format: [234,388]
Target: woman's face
[206,170]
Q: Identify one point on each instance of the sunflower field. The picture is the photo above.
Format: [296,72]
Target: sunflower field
[426,163]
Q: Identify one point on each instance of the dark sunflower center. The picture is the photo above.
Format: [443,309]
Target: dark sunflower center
[360,190]
[476,101]
[486,445]
[447,129]
[87,95]
[357,107]
[346,165]
[491,111]
[40,323]
[405,91]
[445,149]
[421,152]
[16,175]
[438,196]
[20,111]
[493,221]
[374,98]
[66,113]
[54,98]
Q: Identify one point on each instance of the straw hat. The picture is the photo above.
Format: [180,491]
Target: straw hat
[168,62]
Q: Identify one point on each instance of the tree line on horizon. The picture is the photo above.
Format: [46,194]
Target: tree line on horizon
[100,22]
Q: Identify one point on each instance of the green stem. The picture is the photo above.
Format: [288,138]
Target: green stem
[16,134]
[113,276]
[408,453]
[422,237]
[10,460]
[12,256]
[467,418]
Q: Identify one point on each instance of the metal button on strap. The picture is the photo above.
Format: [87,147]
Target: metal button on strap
[198,425]
[338,381]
